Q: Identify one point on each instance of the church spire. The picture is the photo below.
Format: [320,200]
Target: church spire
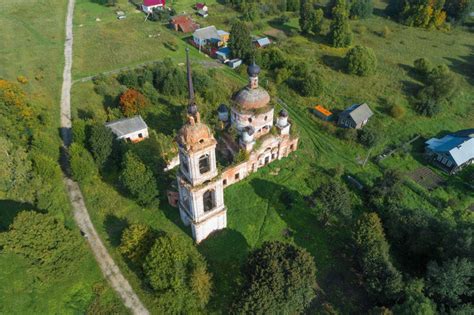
[192,108]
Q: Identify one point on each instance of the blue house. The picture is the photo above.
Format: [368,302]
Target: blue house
[452,152]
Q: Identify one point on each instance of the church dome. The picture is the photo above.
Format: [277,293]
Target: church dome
[195,135]
[253,70]
[251,99]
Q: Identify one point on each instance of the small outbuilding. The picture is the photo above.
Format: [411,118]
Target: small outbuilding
[223,113]
[203,13]
[223,54]
[206,36]
[322,113]
[234,63]
[183,23]
[356,116]
[149,5]
[262,42]
[132,129]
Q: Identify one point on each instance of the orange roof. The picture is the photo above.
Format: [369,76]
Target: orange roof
[322,110]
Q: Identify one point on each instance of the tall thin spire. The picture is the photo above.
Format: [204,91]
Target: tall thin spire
[190,80]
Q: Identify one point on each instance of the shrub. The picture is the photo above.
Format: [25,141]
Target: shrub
[22,79]
[347,134]
[279,278]
[361,61]
[369,137]
[423,66]
[397,111]
[132,102]
[335,202]
[136,242]
[82,164]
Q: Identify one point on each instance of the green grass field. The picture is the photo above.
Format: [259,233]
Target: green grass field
[255,212]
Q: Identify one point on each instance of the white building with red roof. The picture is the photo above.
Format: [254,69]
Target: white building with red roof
[149,5]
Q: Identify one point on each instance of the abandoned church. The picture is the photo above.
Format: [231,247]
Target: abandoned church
[200,195]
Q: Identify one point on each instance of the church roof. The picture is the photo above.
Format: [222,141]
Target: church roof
[251,99]
[194,136]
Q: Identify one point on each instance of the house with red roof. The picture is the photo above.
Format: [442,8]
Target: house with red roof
[149,5]
[183,23]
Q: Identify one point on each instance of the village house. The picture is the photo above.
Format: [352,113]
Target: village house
[200,195]
[206,36]
[132,129]
[355,116]
[223,54]
[201,6]
[453,151]
[183,23]
[323,113]
[149,5]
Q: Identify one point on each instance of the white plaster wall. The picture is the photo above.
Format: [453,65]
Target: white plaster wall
[134,136]
[241,120]
[203,229]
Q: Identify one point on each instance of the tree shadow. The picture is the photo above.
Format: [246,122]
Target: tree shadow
[9,210]
[285,28]
[464,65]
[410,88]
[336,63]
[114,226]
[225,251]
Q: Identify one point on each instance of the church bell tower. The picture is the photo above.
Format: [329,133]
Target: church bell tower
[201,192]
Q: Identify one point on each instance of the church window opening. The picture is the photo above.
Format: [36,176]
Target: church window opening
[224,182]
[291,147]
[266,117]
[209,200]
[250,119]
[184,163]
[204,164]
[237,176]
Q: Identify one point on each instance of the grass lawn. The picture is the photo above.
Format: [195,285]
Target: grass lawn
[255,212]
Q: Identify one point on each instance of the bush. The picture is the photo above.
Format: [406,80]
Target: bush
[136,242]
[423,66]
[280,278]
[397,111]
[348,134]
[100,143]
[83,167]
[361,61]
[335,202]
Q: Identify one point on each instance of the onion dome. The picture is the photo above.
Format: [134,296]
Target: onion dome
[195,136]
[283,113]
[251,99]
[253,70]
[222,109]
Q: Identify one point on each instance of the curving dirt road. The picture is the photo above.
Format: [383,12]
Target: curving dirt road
[107,265]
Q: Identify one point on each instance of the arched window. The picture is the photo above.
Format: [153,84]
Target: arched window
[266,117]
[209,200]
[250,120]
[204,164]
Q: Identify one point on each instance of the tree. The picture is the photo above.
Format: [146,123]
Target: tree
[136,242]
[361,61]
[240,42]
[43,241]
[335,202]
[132,102]
[458,10]
[138,180]
[82,164]
[249,11]
[451,282]
[415,301]
[292,5]
[311,84]
[397,111]
[318,19]
[306,16]
[369,136]
[100,142]
[340,33]
[361,9]
[177,272]
[279,278]
[382,280]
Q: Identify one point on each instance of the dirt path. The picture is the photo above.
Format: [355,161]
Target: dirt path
[107,265]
